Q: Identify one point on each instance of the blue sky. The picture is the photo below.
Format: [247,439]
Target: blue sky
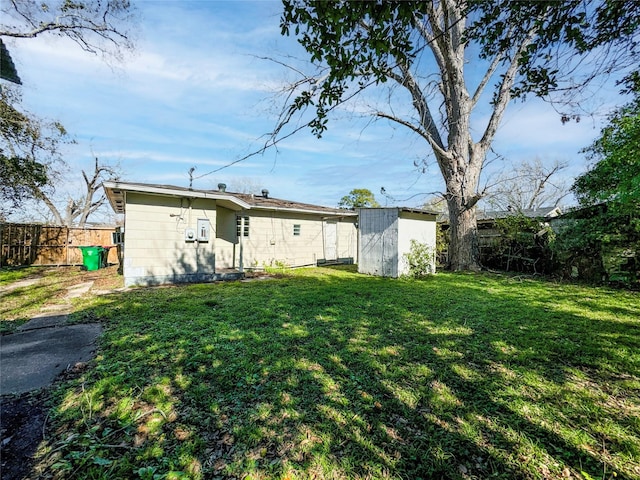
[196,93]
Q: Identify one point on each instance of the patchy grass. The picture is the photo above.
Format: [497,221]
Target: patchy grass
[24,291]
[10,275]
[329,374]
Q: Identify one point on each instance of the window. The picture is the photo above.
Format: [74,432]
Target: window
[117,238]
[296,230]
[245,233]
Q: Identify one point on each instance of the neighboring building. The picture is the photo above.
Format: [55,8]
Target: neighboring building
[489,235]
[175,234]
[385,236]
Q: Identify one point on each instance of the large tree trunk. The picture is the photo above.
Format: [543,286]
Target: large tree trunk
[462,173]
[464,253]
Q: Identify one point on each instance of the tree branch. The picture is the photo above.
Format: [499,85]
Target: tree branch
[485,80]
[504,93]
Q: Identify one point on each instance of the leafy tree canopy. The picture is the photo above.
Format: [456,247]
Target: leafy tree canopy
[615,176]
[358,198]
[604,235]
[29,151]
[367,41]
[30,158]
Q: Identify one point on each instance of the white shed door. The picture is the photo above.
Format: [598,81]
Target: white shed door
[330,240]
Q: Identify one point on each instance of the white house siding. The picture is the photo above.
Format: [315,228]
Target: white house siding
[413,226]
[385,236]
[155,250]
[226,239]
[271,239]
[347,247]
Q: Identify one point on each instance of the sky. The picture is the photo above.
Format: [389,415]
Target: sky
[199,92]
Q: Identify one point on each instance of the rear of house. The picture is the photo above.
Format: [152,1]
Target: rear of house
[174,234]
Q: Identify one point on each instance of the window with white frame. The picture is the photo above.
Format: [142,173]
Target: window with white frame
[239,230]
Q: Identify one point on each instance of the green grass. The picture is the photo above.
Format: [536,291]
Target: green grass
[9,275]
[329,374]
[18,304]
[44,287]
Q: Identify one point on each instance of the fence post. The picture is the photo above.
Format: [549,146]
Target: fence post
[66,246]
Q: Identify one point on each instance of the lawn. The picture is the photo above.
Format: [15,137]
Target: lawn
[25,290]
[325,373]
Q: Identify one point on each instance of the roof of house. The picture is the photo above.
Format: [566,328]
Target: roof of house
[542,212]
[488,216]
[234,201]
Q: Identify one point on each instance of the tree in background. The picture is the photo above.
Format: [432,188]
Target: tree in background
[78,209]
[421,50]
[529,186]
[97,26]
[31,163]
[437,204]
[358,198]
[31,166]
[614,178]
[606,227]
[29,152]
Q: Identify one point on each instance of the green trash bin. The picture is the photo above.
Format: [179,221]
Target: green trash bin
[92,257]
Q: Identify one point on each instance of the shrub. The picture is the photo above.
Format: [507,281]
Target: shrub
[421,259]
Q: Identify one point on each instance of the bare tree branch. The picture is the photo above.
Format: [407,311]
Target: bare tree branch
[97,26]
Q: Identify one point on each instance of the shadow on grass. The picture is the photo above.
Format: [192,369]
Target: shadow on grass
[329,374]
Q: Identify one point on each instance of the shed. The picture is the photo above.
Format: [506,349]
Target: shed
[385,235]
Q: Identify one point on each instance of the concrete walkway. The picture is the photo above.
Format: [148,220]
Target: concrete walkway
[46,346]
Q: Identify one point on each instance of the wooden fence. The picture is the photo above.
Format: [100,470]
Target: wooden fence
[28,244]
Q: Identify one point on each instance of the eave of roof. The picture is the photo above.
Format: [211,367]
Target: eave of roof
[234,201]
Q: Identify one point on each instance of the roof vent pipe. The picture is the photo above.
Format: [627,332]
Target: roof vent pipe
[222,187]
[265,193]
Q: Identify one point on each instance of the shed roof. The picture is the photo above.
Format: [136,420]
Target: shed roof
[234,201]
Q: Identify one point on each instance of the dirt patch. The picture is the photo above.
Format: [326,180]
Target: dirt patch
[23,423]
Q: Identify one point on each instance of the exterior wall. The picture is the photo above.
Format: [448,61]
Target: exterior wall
[418,227]
[271,240]
[385,237]
[155,250]
[347,247]
[378,248]
[226,239]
